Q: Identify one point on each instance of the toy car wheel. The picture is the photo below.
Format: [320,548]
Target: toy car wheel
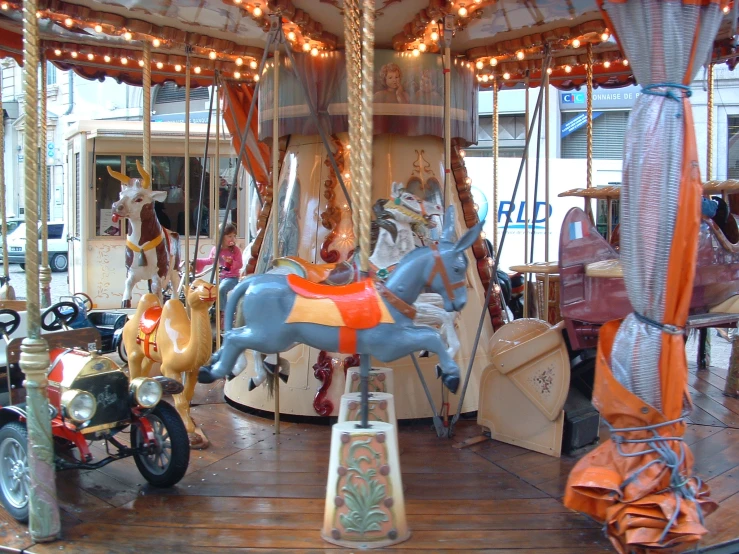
[122,351]
[14,476]
[164,464]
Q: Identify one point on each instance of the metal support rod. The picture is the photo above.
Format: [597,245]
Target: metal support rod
[201,194]
[186,234]
[146,115]
[494,279]
[317,122]
[365,183]
[526,276]
[496,153]
[44,521]
[4,222]
[276,208]
[536,178]
[242,150]
[438,424]
[216,199]
[44,269]
[546,185]
[448,126]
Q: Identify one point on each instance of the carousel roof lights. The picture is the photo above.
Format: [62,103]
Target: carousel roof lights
[91,57]
[257,12]
[252,64]
[98,28]
[106,58]
[239,62]
[160,65]
[434,36]
[416,52]
[178,67]
[462,12]
[237,1]
[127,35]
[68,22]
[576,43]
[291,36]
[506,75]
[156,43]
[74,55]
[141,63]
[58,52]
[4,6]
[197,69]
[605,36]
[256,77]
[549,70]
[212,55]
[422,47]
[606,64]
[625,62]
[726,9]
[306,47]
[237,75]
[38,15]
[462,153]
[478,65]
[493,62]
[124,61]
[520,55]
[568,69]
[314,52]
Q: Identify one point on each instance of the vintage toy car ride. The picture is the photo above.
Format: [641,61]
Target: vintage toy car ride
[90,399]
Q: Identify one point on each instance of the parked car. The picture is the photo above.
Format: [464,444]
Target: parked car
[90,399]
[57,246]
[13,223]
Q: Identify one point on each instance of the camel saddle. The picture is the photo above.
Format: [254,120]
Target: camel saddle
[331,274]
[150,320]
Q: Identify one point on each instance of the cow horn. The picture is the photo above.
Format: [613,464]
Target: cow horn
[147,178]
[119,176]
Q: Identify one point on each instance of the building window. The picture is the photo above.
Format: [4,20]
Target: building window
[609,129]
[733,149]
[106,192]
[226,174]
[50,73]
[511,134]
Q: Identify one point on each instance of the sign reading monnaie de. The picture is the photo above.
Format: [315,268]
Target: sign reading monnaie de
[603,99]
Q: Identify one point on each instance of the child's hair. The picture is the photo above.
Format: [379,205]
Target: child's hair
[230,229]
[389,68]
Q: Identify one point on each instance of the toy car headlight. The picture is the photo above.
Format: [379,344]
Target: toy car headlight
[146,392]
[78,405]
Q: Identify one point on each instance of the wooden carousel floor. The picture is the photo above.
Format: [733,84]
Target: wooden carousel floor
[253,491]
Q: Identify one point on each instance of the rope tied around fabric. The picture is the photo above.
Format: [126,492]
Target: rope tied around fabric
[682,486]
[655,89]
[664,327]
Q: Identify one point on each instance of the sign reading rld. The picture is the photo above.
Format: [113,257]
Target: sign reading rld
[510,211]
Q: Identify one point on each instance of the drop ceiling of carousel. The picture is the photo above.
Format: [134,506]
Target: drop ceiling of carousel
[504,38]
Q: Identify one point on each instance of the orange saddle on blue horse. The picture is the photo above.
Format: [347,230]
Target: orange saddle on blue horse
[350,308]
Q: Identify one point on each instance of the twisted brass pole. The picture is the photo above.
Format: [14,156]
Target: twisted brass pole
[447,57]
[215,203]
[44,270]
[186,234]
[496,153]
[44,523]
[704,337]
[9,295]
[146,115]
[589,126]
[354,76]
[365,188]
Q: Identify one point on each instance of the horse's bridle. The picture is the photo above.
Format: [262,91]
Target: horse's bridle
[440,269]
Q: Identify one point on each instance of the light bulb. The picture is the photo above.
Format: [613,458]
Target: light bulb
[568,69]
[160,65]
[257,11]
[306,47]
[605,36]
[479,78]
[291,36]
[314,52]
[141,63]
[156,43]
[506,75]
[346,175]
[520,55]
[178,67]
[68,22]
[462,12]
[477,1]
[4,6]
[625,62]
[127,35]
[468,181]
[485,78]
[237,75]
[253,64]
[606,64]
[422,47]
[107,59]
[576,43]
[477,208]
[38,15]
[493,62]
[434,36]
[212,55]
[90,57]
[237,1]
[124,61]
[416,53]
[478,65]
[58,52]
[549,70]
[197,69]
[74,55]
[490,262]
[348,146]
[256,77]
[483,236]
[98,28]
[725,9]
[462,153]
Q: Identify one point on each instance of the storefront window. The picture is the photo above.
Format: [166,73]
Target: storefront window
[733,149]
[226,173]
[106,192]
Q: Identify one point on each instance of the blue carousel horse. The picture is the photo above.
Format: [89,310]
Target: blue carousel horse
[368,317]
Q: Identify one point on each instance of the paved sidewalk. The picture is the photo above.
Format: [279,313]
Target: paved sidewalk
[59,286]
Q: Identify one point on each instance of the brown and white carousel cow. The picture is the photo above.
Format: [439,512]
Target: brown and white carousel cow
[152,252]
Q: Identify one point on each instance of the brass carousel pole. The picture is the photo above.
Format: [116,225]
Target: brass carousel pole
[545,84]
[276,204]
[147,106]
[6,291]
[447,117]
[44,270]
[589,128]
[354,74]
[216,203]
[44,523]
[496,152]
[186,233]
[365,182]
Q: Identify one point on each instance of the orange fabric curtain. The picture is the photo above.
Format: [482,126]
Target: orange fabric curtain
[235,112]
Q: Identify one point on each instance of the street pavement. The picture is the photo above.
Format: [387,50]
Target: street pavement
[59,286]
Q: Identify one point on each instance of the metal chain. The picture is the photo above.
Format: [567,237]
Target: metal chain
[367,91]
[354,74]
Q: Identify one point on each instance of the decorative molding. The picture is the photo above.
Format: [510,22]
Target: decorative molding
[331,216]
[323,371]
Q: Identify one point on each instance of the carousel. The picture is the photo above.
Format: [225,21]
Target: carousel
[335,269]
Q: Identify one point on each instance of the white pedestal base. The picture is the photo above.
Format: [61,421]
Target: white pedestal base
[380,380]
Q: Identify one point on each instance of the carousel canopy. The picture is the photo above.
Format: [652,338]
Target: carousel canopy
[504,39]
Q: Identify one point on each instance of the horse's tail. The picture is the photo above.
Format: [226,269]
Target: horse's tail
[233,305]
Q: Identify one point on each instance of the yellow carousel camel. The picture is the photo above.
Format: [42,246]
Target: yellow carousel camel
[165,335]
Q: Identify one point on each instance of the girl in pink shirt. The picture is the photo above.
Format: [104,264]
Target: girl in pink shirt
[230,263]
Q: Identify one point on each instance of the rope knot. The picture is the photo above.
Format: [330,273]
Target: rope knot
[670,91]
